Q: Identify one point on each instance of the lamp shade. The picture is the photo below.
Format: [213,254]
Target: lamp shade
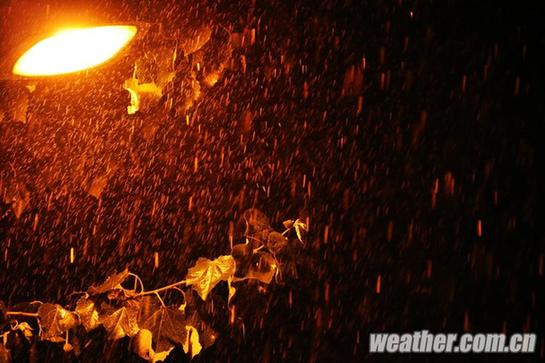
[44,38]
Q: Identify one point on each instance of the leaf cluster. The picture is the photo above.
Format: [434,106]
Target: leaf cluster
[154,328]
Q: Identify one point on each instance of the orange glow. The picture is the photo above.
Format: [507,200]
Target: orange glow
[74,50]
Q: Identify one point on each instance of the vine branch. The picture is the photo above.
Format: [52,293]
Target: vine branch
[171,286]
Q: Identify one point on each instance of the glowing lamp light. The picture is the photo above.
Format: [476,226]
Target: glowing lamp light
[74,50]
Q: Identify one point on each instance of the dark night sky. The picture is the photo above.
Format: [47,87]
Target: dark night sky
[447,137]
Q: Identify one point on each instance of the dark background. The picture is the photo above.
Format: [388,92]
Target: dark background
[448,136]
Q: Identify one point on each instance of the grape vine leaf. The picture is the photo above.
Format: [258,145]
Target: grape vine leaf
[232,289]
[256,221]
[264,269]
[121,322]
[142,344]
[207,335]
[191,345]
[148,306]
[140,92]
[113,282]
[206,274]
[242,253]
[26,329]
[299,226]
[55,320]
[160,356]
[167,327]
[242,250]
[120,294]
[256,227]
[288,223]
[276,242]
[88,314]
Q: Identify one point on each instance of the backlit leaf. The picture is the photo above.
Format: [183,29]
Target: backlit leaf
[256,221]
[26,329]
[87,312]
[160,356]
[113,282]
[206,274]
[288,224]
[242,253]
[232,290]
[55,320]
[148,306]
[121,322]
[241,249]
[300,226]
[192,345]
[167,327]
[207,335]
[264,268]
[142,344]
[120,294]
[276,242]
[143,96]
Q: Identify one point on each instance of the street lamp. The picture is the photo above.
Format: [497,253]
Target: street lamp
[72,90]
[68,50]
[73,50]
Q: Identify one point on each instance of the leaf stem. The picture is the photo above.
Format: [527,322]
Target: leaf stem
[137,280]
[171,286]
[22,313]
[161,300]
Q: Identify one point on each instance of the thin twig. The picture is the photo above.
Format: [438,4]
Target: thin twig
[259,248]
[22,313]
[162,288]
[255,239]
[137,279]
[161,300]
[180,290]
